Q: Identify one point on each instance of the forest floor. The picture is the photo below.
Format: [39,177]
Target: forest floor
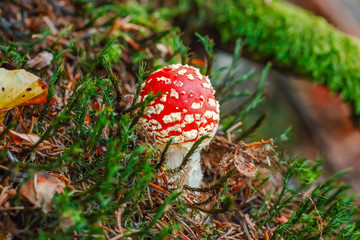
[79,166]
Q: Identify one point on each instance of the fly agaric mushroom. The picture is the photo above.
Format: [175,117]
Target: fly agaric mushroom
[185,111]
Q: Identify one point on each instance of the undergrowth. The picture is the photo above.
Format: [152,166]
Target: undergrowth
[114,188]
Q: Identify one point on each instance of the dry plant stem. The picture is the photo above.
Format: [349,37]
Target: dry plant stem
[228,132]
[258,144]
[153,185]
[12,208]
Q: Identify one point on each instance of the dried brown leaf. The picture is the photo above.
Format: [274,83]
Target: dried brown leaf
[41,189]
[29,139]
[243,164]
[41,60]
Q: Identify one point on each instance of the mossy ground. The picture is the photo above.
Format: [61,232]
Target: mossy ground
[113,186]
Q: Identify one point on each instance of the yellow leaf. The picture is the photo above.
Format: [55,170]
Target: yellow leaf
[19,87]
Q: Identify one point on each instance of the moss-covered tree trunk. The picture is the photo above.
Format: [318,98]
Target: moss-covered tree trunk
[291,38]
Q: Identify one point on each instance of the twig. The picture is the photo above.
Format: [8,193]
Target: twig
[12,208]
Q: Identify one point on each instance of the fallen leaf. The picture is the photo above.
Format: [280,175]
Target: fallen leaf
[123,24]
[281,219]
[244,165]
[41,60]
[87,118]
[18,88]
[3,197]
[28,139]
[41,189]
[266,235]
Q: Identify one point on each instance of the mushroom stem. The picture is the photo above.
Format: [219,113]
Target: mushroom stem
[175,157]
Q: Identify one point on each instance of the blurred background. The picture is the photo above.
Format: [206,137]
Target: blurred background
[322,125]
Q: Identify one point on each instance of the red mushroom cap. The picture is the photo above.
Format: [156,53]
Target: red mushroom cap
[186,110]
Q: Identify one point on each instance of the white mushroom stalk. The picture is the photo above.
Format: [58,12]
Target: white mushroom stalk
[186,111]
[175,158]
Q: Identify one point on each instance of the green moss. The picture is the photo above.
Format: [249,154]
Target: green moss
[113,54]
[292,39]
